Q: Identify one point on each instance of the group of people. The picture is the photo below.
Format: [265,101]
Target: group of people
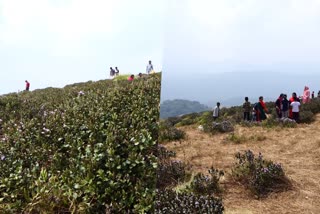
[284,108]
[115,72]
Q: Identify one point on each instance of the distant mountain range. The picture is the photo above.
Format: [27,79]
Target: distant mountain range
[171,108]
[230,88]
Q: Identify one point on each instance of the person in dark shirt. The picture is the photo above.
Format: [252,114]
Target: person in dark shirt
[246,109]
[117,71]
[285,107]
[112,72]
[278,105]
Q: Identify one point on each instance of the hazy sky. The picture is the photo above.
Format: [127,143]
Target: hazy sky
[58,42]
[215,36]
[253,32]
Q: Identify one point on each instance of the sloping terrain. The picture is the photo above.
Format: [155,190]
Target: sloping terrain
[297,149]
[85,148]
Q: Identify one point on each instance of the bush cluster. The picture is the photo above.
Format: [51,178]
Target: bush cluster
[88,147]
[169,172]
[170,202]
[206,184]
[219,127]
[168,132]
[259,175]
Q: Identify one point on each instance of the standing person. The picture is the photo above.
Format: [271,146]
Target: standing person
[117,71]
[27,85]
[312,95]
[293,98]
[295,109]
[285,107]
[278,105]
[112,72]
[246,109]
[306,95]
[318,94]
[261,110]
[216,111]
[149,67]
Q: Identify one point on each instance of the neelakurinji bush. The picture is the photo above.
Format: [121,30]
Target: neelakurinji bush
[89,147]
[259,175]
[206,184]
[170,202]
[169,172]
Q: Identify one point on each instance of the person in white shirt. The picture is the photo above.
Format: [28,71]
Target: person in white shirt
[149,67]
[295,109]
[216,111]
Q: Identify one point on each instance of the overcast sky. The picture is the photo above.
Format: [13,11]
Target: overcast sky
[253,32]
[219,36]
[58,42]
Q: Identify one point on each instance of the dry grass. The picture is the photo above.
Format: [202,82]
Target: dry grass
[297,149]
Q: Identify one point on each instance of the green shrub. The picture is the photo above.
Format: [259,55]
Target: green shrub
[306,117]
[88,147]
[167,132]
[313,106]
[260,176]
[235,138]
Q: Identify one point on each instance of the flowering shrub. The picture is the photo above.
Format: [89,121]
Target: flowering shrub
[221,127]
[170,202]
[261,176]
[169,172]
[89,147]
[207,184]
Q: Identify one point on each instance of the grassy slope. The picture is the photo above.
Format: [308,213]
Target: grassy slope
[297,149]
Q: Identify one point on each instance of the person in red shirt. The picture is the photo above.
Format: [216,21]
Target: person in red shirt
[131,78]
[292,99]
[27,85]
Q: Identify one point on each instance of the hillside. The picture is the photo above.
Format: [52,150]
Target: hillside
[296,148]
[85,148]
[172,108]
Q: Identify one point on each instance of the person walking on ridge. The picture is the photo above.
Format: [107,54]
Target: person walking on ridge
[112,72]
[216,111]
[246,109]
[27,85]
[312,95]
[149,67]
[117,71]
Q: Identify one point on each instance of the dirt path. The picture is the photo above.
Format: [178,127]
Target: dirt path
[297,149]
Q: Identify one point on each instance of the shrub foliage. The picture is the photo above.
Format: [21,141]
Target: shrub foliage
[259,175]
[88,147]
